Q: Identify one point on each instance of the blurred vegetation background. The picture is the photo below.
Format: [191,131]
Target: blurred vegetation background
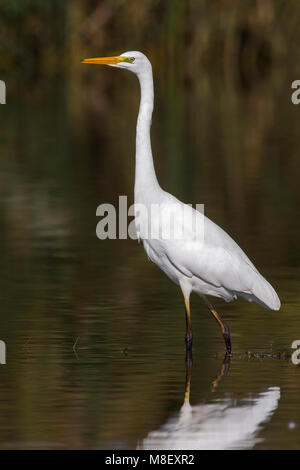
[238,38]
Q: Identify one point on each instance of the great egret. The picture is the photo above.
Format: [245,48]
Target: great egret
[214,265]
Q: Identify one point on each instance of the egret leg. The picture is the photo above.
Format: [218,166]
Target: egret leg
[188,336]
[224,327]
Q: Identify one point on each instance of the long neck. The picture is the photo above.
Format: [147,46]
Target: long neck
[145,177]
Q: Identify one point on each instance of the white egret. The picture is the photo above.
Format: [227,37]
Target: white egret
[213,265]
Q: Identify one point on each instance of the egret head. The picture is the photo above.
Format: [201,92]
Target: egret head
[134,61]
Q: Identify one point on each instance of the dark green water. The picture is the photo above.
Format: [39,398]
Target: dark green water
[68,146]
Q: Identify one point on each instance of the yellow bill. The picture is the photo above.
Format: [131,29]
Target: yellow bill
[107,60]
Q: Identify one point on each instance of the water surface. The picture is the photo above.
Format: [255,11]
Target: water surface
[68,146]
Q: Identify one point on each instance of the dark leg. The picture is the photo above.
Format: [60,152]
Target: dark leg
[188,336]
[224,327]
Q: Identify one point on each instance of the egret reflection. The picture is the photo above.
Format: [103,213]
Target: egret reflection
[222,424]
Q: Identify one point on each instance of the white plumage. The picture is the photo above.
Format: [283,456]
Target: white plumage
[214,266]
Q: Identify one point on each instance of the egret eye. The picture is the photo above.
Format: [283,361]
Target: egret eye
[130,60]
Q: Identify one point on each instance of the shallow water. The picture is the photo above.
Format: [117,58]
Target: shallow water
[94,331]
